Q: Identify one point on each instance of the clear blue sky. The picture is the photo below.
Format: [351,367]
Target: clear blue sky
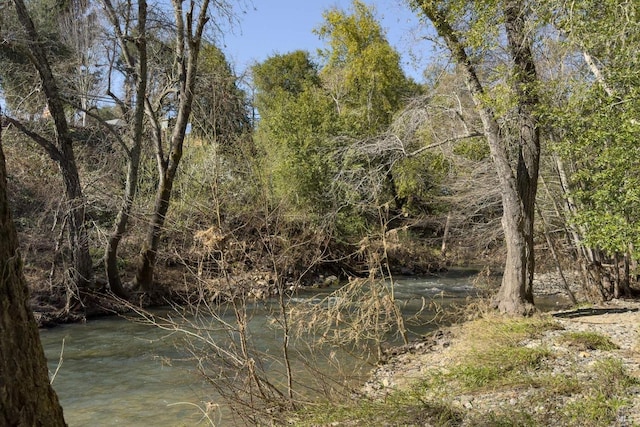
[283,26]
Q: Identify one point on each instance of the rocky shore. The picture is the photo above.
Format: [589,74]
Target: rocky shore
[619,320]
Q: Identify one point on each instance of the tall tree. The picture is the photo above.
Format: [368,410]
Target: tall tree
[363,75]
[135,70]
[26,397]
[32,45]
[362,70]
[190,24]
[295,131]
[518,174]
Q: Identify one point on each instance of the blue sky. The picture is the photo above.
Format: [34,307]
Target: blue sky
[282,26]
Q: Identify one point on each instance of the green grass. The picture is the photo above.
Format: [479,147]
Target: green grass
[489,356]
[589,341]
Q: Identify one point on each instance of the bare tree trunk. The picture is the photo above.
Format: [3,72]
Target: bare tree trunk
[188,42]
[61,152]
[518,188]
[136,136]
[26,397]
[516,292]
[146,263]
[120,226]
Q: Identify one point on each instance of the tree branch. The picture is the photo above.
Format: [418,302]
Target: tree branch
[47,145]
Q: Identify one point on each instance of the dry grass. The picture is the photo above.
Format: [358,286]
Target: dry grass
[497,372]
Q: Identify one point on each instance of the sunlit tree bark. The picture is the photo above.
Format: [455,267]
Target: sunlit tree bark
[518,178]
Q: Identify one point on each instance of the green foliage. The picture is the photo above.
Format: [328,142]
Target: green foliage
[291,73]
[597,119]
[362,71]
[294,136]
[220,110]
[473,149]
[309,116]
[417,178]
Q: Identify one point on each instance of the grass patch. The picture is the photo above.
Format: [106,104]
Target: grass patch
[512,418]
[498,367]
[398,408]
[557,384]
[596,410]
[588,341]
[492,360]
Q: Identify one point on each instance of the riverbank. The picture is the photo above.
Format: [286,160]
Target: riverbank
[577,367]
[573,368]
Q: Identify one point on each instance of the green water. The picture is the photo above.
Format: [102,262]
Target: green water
[117,372]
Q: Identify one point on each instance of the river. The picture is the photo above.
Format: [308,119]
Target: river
[119,372]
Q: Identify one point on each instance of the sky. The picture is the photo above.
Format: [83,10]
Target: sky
[283,26]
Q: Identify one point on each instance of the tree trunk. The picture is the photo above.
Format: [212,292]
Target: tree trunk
[146,263]
[133,153]
[26,397]
[82,272]
[516,292]
[518,188]
[188,41]
[61,152]
[111,253]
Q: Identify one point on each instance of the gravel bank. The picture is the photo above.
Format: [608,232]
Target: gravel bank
[619,320]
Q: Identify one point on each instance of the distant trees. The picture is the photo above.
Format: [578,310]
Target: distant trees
[311,114]
[361,71]
[26,397]
[155,102]
[295,130]
[220,111]
[345,135]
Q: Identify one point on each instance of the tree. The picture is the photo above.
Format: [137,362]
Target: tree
[220,112]
[362,71]
[595,123]
[311,116]
[190,25]
[135,70]
[26,397]
[518,174]
[363,76]
[295,131]
[60,149]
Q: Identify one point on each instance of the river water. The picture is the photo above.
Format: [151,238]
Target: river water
[119,372]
